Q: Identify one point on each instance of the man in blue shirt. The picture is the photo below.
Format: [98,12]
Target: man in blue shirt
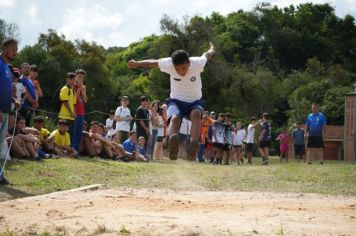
[8,53]
[130,144]
[298,135]
[315,123]
[30,97]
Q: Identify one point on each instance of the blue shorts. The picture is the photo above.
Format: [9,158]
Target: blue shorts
[183,109]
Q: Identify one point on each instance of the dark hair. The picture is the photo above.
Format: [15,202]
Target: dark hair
[180,57]
[81,71]
[70,75]
[132,133]
[228,114]
[265,115]
[8,42]
[315,104]
[112,112]
[253,118]
[143,98]
[20,118]
[34,68]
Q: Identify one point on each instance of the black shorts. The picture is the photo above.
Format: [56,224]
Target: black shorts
[315,142]
[226,147]
[160,138]
[299,149]
[265,144]
[237,146]
[249,147]
[219,145]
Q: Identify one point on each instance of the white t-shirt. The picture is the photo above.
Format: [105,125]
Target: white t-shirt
[185,88]
[238,137]
[185,127]
[20,89]
[160,126]
[123,112]
[250,138]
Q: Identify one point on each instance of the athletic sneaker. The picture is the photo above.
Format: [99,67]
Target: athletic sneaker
[265,162]
[193,150]
[173,145]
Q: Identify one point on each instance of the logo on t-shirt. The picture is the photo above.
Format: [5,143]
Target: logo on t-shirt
[193,79]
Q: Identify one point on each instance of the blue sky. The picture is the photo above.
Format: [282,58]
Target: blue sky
[119,23]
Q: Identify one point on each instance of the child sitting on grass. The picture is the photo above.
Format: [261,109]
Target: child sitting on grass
[59,141]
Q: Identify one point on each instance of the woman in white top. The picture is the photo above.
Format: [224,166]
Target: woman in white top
[239,136]
[158,151]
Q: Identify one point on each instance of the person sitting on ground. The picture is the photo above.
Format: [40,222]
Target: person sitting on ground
[118,150]
[141,154]
[29,140]
[59,140]
[130,146]
[44,151]
[87,144]
[102,145]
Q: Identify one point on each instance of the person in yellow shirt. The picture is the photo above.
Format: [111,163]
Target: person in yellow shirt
[38,124]
[60,140]
[68,99]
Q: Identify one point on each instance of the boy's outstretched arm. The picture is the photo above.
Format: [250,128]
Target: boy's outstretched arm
[144,63]
[210,53]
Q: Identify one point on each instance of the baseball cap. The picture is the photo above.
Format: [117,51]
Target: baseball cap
[63,122]
[124,98]
[227,114]
[38,119]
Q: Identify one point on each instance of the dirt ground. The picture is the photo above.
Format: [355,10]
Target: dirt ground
[159,212]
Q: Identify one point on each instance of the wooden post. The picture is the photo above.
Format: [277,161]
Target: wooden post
[350,127]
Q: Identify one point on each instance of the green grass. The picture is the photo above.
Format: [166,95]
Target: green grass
[33,178]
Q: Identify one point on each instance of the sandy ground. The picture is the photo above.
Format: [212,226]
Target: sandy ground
[159,212]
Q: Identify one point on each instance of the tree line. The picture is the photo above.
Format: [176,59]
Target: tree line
[269,59]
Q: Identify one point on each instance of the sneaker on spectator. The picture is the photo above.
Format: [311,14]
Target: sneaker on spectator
[173,145]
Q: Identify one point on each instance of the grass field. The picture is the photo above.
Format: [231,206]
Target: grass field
[33,178]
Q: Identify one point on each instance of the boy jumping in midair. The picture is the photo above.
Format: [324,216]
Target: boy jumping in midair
[186,94]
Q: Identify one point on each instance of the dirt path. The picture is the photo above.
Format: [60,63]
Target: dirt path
[159,212]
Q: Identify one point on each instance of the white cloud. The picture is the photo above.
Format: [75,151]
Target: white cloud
[92,23]
[31,16]
[7,3]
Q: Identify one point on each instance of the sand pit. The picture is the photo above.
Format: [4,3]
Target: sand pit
[159,212]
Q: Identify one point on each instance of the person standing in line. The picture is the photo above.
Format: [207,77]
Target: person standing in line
[79,88]
[298,135]
[30,99]
[250,139]
[8,53]
[239,135]
[283,138]
[123,118]
[315,123]
[142,120]
[265,139]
